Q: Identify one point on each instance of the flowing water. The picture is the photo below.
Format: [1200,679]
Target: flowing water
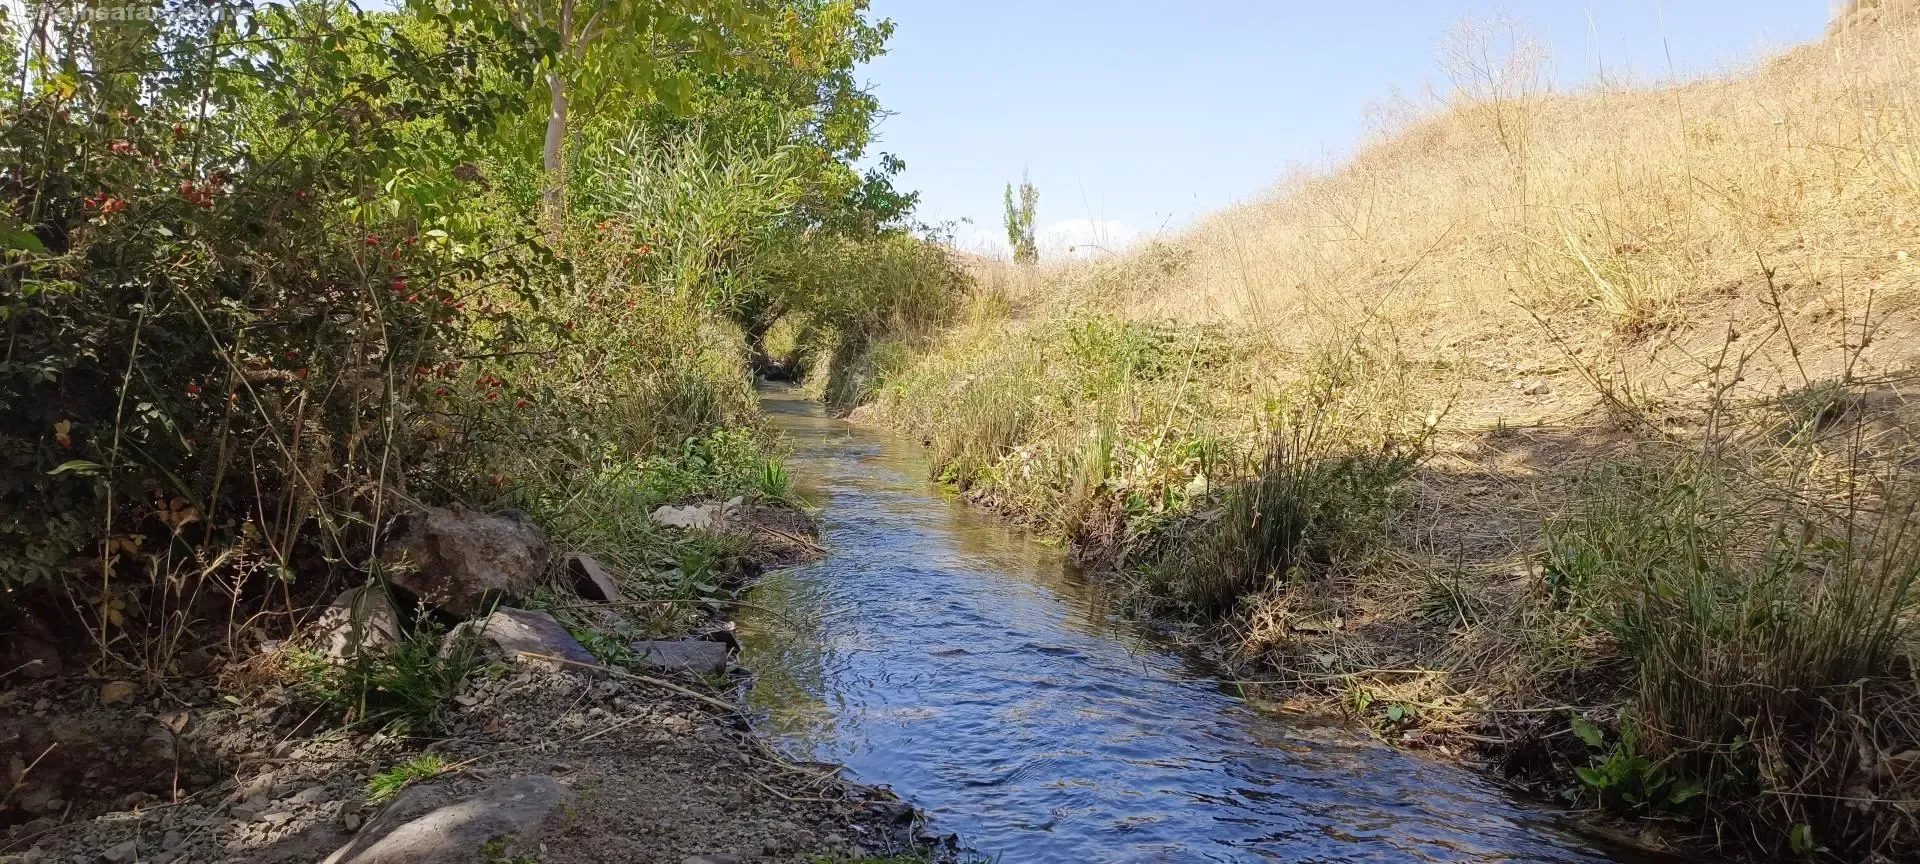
[940,653]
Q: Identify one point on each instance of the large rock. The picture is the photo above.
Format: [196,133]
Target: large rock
[424,825]
[465,561]
[513,632]
[359,621]
[706,658]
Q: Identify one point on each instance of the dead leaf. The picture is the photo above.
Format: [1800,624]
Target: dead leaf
[116,692]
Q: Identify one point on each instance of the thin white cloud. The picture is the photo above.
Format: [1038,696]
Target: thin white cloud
[1071,238]
[988,242]
[1086,238]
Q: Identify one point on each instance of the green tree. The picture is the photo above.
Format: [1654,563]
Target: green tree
[1020,222]
[655,49]
[742,188]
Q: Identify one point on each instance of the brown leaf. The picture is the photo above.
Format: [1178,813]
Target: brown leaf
[116,691]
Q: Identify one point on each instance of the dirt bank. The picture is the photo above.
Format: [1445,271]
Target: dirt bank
[240,765]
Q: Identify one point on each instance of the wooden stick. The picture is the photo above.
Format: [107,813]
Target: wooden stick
[728,707]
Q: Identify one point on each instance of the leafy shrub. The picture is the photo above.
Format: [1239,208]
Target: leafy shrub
[1622,779]
[215,311]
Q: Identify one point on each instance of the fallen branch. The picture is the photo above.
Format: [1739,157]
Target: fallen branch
[723,705]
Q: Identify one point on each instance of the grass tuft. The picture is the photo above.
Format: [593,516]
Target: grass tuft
[1770,624]
[386,784]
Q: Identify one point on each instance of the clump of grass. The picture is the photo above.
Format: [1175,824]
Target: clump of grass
[1307,503]
[403,690]
[1815,406]
[1448,600]
[386,784]
[1770,624]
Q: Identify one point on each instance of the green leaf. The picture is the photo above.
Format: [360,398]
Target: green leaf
[1801,838]
[77,466]
[1587,732]
[1395,713]
[20,238]
[1591,777]
[1684,792]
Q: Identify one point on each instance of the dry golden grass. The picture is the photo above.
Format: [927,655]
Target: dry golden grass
[1634,224]
[1540,262]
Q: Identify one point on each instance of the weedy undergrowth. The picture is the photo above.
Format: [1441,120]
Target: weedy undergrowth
[1769,617]
[1310,500]
[404,690]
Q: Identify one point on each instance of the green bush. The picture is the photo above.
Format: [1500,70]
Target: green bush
[289,279]
[215,313]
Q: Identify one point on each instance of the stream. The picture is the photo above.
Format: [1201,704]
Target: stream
[943,654]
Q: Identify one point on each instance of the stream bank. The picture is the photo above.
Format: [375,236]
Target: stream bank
[941,653]
[234,762]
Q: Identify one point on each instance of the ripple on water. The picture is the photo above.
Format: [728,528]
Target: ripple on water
[939,653]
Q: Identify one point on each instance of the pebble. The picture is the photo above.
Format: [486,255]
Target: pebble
[310,795]
[121,853]
[261,786]
[172,840]
[115,692]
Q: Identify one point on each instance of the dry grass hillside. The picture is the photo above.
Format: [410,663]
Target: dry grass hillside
[1626,229]
[1575,427]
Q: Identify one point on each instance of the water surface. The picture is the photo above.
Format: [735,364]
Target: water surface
[936,651]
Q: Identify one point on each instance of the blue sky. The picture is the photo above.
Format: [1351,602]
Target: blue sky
[1146,114]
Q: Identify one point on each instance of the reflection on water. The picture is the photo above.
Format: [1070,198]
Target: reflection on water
[937,652]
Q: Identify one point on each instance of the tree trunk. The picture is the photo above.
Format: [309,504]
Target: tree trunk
[554,158]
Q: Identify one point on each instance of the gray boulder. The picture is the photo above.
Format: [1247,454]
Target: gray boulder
[706,658]
[465,561]
[359,621]
[513,632]
[425,825]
